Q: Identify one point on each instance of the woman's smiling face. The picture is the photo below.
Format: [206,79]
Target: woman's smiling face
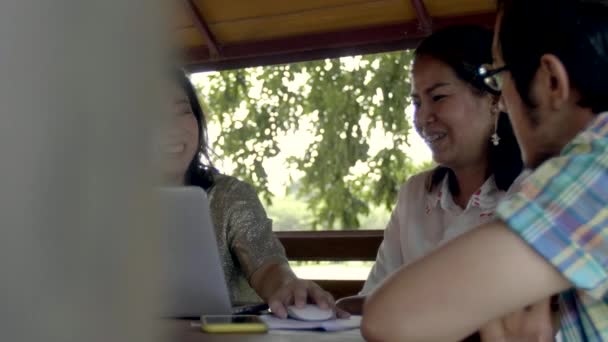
[180,142]
[454,120]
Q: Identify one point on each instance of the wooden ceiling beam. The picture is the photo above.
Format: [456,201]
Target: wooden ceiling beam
[203,28]
[424,18]
[323,45]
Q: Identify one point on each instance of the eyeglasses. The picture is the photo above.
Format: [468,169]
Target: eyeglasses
[492,79]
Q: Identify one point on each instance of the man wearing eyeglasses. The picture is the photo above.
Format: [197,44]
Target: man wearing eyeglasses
[551,65]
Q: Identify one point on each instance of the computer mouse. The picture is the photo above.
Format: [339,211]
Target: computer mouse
[310,312]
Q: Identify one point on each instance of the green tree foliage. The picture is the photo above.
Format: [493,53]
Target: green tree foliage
[346,99]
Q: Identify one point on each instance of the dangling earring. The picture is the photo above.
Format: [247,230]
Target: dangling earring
[495,138]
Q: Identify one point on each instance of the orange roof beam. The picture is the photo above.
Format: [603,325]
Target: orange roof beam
[424,19]
[203,28]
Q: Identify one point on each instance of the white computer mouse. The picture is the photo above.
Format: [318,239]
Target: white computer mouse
[310,312]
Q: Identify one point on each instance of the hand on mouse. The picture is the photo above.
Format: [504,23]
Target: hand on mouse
[298,292]
[280,287]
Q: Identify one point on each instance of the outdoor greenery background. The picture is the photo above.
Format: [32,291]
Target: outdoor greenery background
[339,182]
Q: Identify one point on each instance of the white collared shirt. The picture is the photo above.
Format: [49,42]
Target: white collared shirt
[422,221]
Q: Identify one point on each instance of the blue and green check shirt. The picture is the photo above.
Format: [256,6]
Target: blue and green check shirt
[562,212]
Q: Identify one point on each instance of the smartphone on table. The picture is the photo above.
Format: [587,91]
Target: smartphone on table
[233,324]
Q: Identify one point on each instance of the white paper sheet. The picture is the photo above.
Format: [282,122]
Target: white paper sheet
[275,323]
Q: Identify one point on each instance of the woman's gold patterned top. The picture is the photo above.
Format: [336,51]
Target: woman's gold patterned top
[244,235]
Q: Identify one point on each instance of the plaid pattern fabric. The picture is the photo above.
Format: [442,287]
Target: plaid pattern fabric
[562,212]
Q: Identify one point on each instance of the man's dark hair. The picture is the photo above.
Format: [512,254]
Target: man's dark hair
[575,31]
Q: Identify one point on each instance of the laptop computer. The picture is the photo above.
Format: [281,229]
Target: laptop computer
[194,279]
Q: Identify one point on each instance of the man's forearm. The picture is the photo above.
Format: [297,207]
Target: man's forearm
[450,294]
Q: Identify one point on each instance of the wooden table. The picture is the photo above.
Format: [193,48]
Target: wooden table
[185,332]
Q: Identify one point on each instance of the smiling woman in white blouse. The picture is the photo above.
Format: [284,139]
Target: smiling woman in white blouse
[471,141]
